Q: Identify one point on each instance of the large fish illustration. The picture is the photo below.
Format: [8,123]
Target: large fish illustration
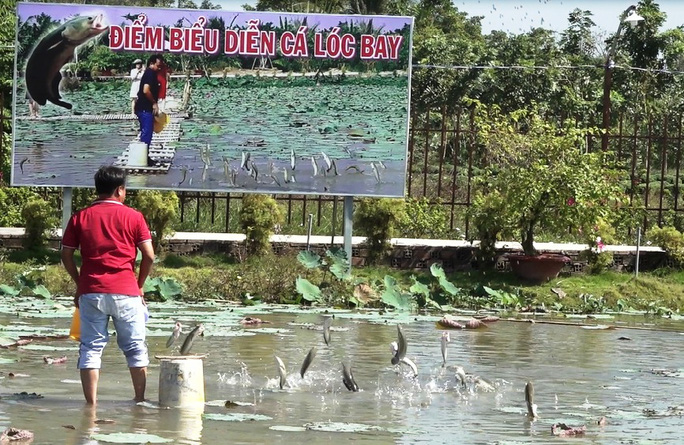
[53,52]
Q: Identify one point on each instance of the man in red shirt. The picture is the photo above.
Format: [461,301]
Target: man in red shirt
[108,233]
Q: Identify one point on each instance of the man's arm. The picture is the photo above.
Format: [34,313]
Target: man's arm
[70,266]
[146,263]
[147,91]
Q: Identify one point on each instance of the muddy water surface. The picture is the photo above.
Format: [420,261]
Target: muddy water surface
[579,375]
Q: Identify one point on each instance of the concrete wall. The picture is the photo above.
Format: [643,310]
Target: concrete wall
[406,253]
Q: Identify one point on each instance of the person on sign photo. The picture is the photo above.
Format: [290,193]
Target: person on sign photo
[147,107]
[136,76]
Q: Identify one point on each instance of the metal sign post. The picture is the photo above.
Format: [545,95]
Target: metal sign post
[66,207]
[348,212]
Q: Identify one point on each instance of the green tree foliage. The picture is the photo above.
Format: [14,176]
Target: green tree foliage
[160,210]
[444,36]
[545,177]
[258,217]
[12,200]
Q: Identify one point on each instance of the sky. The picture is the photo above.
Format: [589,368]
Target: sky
[516,16]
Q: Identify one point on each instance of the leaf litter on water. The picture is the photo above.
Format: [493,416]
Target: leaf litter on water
[136,438]
[236,417]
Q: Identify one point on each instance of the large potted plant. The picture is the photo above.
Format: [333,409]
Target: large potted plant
[546,180]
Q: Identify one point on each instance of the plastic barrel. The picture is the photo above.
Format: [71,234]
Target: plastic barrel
[137,154]
[181,382]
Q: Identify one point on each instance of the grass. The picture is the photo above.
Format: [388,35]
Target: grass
[272,278]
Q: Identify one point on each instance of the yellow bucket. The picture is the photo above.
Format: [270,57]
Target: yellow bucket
[75,331]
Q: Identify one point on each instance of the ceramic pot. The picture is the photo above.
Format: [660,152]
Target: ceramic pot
[538,268]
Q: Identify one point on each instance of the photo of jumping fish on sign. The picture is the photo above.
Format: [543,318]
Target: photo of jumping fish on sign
[319,104]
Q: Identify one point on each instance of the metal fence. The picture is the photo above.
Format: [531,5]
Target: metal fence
[444,159]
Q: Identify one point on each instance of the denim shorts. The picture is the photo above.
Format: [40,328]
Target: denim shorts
[128,315]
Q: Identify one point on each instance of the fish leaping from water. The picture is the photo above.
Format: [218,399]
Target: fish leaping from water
[282,372]
[177,331]
[43,69]
[444,340]
[326,330]
[348,379]
[307,361]
[529,401]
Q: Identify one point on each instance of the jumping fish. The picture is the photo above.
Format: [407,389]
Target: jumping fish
[401,346]
[314,166]
[529,400]
[408,362]
[394,348]
[292,158]
[348,379]
[43,68]
[21,164]
[445,339]
[334,168]
[376,172]
[460,373]
[177,331]
[282,372]
[187,344]
[307,361]
[244,160]
[326,330]
[482,384]
[328,162]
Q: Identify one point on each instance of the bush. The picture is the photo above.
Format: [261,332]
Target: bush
[423,220]
[598,237]
[490,221]
[258,217]
[671,241]
[160,209]
[378,220]
[12,200]
[39,216]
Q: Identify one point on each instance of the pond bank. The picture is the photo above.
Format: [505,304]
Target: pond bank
[273,279]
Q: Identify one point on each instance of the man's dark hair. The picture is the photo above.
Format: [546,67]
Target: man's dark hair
[153,59]
[108,178]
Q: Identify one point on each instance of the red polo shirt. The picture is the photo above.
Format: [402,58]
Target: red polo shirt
[107,233]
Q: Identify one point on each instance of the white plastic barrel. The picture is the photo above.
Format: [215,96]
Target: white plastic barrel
[137,154]
[181,382]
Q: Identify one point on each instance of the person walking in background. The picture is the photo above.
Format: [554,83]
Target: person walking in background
[163,76]
[108,234]
[136,75]
[147,107]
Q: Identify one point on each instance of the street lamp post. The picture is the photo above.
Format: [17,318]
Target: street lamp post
[629,16]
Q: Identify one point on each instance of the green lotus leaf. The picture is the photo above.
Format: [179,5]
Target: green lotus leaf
[309,259]
[308,290]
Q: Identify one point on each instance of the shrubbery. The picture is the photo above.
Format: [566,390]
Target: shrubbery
[378,220]
[258,217]
[671,241]
[423,220]
[38,216]
[160,209]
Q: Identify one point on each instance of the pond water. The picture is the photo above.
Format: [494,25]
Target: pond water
[579,376]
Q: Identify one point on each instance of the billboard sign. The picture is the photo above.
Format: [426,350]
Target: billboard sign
[254,102]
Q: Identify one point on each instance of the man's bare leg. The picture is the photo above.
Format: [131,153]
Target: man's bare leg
[139,378]
[89,379]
